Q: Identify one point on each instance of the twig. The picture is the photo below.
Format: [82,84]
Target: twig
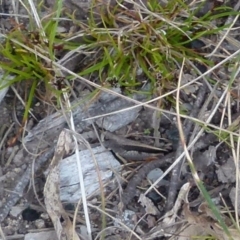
[187,128]
[130,190]
[127,144]
[18,190]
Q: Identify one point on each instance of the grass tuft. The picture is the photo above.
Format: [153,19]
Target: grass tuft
[146,44]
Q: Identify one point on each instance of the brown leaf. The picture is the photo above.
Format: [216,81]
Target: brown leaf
[64,229]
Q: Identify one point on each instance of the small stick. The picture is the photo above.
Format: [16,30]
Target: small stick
[130,190]
[188,126]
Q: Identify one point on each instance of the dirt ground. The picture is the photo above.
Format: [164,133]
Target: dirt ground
[141,145]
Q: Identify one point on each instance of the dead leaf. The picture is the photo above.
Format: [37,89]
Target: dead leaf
[202,160]
[204,208]
[225,172]
[171,216]
[62,224]
[151,221]
[148,205]
[206,225]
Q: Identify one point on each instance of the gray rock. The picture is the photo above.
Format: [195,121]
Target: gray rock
[49,235]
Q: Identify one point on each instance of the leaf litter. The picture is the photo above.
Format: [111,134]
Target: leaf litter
[204,159]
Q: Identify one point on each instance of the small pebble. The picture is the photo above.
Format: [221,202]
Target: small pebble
[16,211]
[154,174]
[40,223]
